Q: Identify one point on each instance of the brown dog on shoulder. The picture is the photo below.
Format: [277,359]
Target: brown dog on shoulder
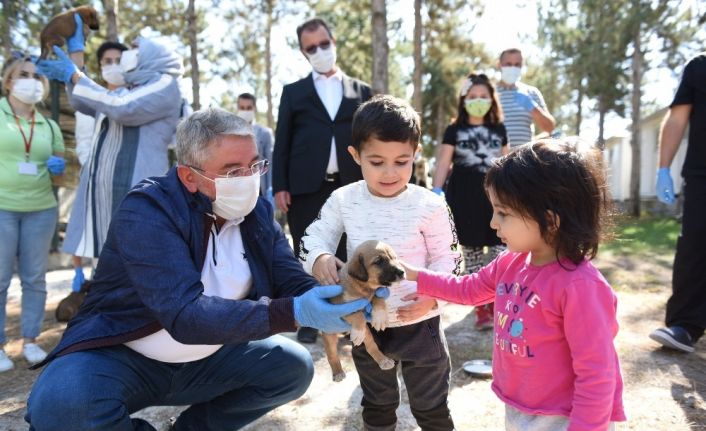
[68,307]
[63,26]
[373,264]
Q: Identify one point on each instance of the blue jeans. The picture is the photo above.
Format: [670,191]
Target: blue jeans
[99,389]
[26,236]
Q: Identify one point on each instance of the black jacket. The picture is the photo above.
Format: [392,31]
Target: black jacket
[303,137]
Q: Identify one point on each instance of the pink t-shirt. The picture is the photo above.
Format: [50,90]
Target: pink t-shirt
[554,328]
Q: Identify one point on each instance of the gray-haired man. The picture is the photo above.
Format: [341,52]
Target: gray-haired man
[193,282]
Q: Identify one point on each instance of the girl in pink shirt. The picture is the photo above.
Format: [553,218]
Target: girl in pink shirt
[554,362]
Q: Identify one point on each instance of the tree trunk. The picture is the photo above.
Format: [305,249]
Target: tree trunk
[579,108]
[268,64]
[111,14]
[380,46]
[440,123]
[635,143]
[417,77]
[601,125]
[192,35]
[7,28]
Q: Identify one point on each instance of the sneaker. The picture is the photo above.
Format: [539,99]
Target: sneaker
[484,317]
[5,362]
[33,353]
[674,337]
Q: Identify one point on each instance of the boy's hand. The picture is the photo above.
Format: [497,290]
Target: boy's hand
[410,272]
[325,269]
[421,306]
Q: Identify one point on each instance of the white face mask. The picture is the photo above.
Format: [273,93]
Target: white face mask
[113,74]
[248,116]
[510,74]
[236,197]
[28,90]
[323,60]
[128,60]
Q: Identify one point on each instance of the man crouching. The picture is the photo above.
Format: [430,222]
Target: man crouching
[194,281]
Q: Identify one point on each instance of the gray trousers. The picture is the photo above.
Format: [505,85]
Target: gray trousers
[421,353]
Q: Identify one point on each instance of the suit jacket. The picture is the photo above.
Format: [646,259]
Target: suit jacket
[303,137]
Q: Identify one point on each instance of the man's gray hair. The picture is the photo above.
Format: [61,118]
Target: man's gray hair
[197,132]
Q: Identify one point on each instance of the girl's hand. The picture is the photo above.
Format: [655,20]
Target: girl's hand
[325,269]
[421,306]
[410,272]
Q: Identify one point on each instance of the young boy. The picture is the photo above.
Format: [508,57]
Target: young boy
[419,227]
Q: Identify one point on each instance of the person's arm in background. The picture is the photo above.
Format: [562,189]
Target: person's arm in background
[56,163]
[540,114]
[280,154]
[505,148]
[441,167]
[675,122]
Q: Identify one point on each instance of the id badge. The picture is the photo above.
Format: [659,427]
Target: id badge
[27,168]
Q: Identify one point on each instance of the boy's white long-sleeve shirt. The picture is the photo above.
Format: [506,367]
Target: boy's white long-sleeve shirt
[417,224]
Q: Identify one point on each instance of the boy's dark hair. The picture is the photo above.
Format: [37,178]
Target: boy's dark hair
[312,25]
[555,175]
[387,119]
[494,115]
[247,96]
[109,45]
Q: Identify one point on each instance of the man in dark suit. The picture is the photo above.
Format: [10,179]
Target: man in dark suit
[310,158]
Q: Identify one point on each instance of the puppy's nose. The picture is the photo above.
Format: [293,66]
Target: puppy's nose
[399,271]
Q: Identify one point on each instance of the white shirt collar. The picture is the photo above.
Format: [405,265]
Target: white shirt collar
[338,75]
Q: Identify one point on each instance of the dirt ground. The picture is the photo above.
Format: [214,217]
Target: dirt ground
[664,390]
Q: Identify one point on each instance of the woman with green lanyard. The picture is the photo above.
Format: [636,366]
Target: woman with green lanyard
[31,149]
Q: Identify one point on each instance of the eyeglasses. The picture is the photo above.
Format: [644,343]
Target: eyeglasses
[311,50]
[258,168]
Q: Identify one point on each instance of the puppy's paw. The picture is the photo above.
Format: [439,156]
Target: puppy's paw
[357,336]
[337,377]
[386,363]
[379,318]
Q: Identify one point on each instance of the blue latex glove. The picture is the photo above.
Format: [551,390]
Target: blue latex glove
[313,310]
[665,186]
[76,42]
[438,190]
[525,100]
[381,292]
[56,165]
[59,70]
[78,279]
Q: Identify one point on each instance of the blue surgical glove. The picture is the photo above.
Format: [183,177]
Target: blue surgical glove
[59,70]
[78,279]
[438,190]
[665,186]
[381,292]
[56,165]
[312,309]
[76,42]
[525,100]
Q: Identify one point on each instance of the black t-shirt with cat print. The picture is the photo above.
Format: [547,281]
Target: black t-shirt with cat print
[475,147]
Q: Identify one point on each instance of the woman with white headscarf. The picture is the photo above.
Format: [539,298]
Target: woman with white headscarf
[134,126]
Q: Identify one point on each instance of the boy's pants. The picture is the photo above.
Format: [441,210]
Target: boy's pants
[422,354]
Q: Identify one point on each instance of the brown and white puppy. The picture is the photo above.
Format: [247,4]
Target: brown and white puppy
[63,26]
[372,265]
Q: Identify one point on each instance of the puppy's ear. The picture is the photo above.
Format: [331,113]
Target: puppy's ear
[356,268]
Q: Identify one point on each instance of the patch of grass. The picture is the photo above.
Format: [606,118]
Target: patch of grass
[645,235]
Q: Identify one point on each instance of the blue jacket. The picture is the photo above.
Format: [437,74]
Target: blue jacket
[149,275]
